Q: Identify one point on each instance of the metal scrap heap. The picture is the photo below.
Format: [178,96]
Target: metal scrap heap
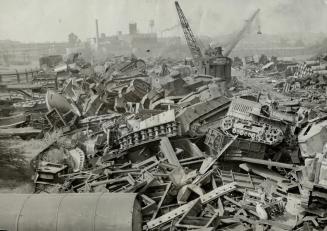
[194,157]
[201,144]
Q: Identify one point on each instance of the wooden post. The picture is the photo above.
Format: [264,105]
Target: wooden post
[26,75]
[32,72]
[56,81]
[18,77]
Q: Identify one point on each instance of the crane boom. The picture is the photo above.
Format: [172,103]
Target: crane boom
[170,28]
[241,33]
[189,36]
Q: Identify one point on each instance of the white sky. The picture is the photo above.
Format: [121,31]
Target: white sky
[53,20]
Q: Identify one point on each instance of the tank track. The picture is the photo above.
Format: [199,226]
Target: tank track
[147,135]
[255,131]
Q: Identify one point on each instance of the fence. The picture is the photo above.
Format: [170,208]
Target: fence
[18,77]
[31,77]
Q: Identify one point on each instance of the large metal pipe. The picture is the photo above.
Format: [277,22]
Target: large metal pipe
[71,211]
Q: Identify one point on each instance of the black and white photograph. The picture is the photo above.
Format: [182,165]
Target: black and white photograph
[163,115]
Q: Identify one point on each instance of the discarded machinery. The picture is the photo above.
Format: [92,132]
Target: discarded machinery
[216,140]
[197,118]
[252,120]
[149,130]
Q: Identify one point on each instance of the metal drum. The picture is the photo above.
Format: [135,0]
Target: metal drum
[71,211]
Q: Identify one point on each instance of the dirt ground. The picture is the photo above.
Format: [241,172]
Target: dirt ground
[259,84]
[15,173]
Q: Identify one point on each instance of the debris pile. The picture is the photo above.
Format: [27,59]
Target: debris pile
[263,66]
[197,158]
[307,84]
[133,144]
[310,76]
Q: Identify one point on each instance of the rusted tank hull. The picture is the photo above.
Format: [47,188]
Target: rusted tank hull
[66,212]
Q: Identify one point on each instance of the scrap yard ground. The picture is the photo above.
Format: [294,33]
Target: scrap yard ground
[125,132]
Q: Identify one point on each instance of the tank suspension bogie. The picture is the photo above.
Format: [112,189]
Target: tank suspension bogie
[255,131]
[147,135]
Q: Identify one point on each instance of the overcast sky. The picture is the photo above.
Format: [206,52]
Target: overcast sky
[53,20]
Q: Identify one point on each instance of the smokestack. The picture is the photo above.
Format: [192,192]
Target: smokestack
[132,28]
[97,33]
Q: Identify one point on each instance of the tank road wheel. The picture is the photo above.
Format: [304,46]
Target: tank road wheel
[274,136]
[227,124]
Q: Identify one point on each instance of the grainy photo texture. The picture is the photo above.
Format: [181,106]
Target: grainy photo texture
[163,115]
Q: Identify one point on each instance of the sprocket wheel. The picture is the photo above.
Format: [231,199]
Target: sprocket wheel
[273,136]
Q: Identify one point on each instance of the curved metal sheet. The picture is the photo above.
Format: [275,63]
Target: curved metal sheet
[10,208]
[74,215]
[120,216]
[55,100]
[71,211]
[40,212]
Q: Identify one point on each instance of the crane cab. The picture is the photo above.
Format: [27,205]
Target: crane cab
[218,65]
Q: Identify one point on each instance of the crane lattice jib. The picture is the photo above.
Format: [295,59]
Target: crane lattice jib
[241,33]
[189,36]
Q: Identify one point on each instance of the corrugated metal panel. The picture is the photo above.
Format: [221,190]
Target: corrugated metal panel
[66,212]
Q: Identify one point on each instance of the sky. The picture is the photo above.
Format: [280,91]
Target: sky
[53,20]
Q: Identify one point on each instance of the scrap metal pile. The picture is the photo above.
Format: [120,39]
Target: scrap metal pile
[197,158]
[304,81]
[165,145]
[309,81]
[263,66]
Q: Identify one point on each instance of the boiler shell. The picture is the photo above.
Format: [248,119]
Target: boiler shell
[71,211]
